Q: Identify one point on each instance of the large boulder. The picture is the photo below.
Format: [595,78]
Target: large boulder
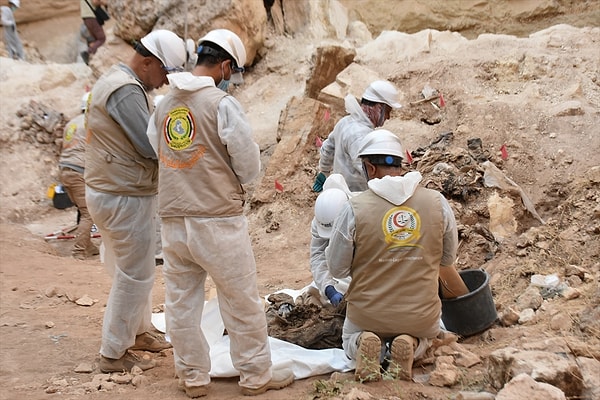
[193,19]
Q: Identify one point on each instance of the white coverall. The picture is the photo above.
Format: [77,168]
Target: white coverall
[318,264]
[125,222]
[339,152]
[11,37]
[194,247]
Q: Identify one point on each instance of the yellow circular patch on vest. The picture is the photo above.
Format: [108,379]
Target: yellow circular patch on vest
[401,227]
[70,132]
[179,128]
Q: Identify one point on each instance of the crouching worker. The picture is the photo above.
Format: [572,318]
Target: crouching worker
[396,240]
[327,206]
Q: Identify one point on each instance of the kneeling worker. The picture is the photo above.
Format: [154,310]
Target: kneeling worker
[398,242]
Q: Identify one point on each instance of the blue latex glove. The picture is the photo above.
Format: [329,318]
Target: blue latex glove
[333,295]
[319,181]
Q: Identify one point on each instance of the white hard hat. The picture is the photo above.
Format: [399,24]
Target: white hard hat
[381,142]
[232,44]
[190,47]
[167,47]
[17,3]
[382,92]
[84,100]
[337,181]
[327,207]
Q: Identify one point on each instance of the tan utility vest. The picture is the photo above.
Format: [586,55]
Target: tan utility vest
[394,288]
[112,164]
[72,154]
[195,173]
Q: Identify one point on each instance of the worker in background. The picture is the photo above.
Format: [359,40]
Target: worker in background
[339,152]
[11,36]
[72,165]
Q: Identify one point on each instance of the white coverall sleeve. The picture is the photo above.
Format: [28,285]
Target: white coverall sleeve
[8,18]
[450,246]
[236,134]
[153,133]
[340,251]
[318,264]
[353,146]
[327,153]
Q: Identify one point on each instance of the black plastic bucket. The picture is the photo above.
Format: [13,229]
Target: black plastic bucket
[61,199]
[475,311]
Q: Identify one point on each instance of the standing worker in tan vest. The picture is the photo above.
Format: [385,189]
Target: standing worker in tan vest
[398,242]
[72,166]
[121,177]
[206,153]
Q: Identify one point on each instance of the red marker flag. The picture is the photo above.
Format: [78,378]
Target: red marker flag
[318,142]
[327,115]
[409,158]
[278,186]
[442,102]
[504,152]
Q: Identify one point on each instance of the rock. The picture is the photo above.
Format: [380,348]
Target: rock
[593,174]
[530,298]
[509,317]
[576,270]
[561,322]
[121,378]
[107,386]
[85,301]
[591,378]
[327,62]
[464,395]
[568,108]
[136,370]
[357,394]
[85,368]
[557,369]
[445,372]
[570,293]
[300,123]
[525,387]
[463,357]
[139,380]
[527,316]
[51,291]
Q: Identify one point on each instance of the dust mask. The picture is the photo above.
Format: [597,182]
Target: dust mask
[224,83]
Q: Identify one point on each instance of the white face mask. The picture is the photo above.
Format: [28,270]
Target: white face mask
[224,83]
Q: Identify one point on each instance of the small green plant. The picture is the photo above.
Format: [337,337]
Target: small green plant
[327,388]
[369,370]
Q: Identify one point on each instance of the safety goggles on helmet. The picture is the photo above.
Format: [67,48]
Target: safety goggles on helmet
[236,76]
[202,49]
[143,51]
[170,70]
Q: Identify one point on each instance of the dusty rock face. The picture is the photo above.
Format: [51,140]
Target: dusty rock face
[473,18]
[251,19]
[245,17]
[37,10]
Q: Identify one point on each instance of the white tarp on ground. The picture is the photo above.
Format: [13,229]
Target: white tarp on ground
[303,362]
